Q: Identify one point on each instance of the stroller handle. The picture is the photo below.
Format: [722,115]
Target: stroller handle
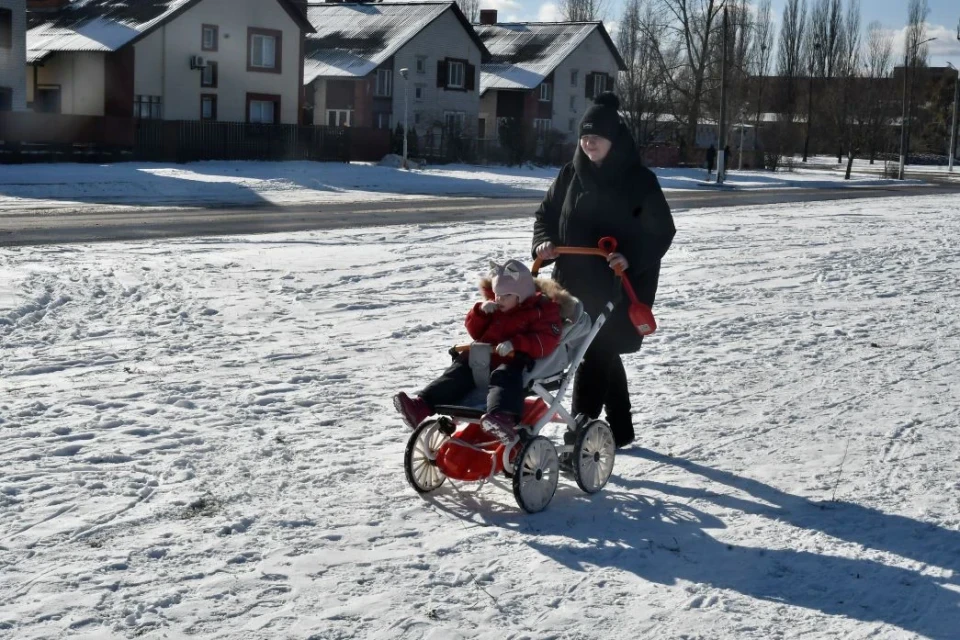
[640,314]
[605,247]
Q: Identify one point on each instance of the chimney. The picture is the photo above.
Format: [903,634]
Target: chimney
[488,16]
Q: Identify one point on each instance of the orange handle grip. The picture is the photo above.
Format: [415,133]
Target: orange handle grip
[605,247]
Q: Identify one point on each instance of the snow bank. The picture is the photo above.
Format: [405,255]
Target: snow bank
[54,189]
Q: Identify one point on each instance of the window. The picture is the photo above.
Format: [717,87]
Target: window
[210,37]
[208,75]
[147,107]
[421,64]
[418,92]
[6,99]
[572,125]
[416,117]
[574,78]
[573,103]
[453,121]
[542,126]
[599,83]
[384,83]
[381,121]
[455,73]
[6,29]
[208,106]
[339,117]
[264,50]
[263,108]
[546,92]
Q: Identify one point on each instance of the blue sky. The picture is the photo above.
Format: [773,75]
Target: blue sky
[942,20]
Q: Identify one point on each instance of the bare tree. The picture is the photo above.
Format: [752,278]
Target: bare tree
[582,10]
[848,68]
[471,9]
[789,68]
[691,26]
[643,93]
[761,51]
[875,113]
[915,55]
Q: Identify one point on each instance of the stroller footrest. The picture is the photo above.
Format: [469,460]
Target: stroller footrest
[458,411]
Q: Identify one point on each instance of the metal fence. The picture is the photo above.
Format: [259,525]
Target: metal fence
[44,137]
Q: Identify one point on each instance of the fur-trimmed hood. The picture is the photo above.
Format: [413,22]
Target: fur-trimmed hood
[549,288]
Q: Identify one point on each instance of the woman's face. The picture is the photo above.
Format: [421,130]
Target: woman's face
[596,147]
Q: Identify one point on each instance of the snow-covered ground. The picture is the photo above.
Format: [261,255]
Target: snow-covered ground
[65,188]
[196,440]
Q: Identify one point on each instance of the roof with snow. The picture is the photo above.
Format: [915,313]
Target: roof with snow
[351,40]
[105,25]
[523,54]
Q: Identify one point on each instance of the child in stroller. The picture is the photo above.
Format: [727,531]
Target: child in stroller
[522,324]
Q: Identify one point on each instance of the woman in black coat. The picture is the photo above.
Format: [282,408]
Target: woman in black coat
[606,191]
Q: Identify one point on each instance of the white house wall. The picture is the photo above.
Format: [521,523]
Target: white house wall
[592,56]
[13,61]
[163,61]
[81,79]
[445,37]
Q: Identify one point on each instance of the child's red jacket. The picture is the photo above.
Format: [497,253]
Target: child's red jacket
[534,326]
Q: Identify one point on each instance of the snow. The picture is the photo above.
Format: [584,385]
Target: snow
[197,440]
[66,188]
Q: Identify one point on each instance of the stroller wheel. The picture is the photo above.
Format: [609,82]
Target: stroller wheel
[593,455]
[536,474]
[420,457]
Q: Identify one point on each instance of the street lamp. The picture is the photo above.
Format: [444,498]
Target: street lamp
[806,143]
[405,73]
[903,121]
[956,105]
[953,124]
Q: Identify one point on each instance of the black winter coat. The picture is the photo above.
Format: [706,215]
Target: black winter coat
[620,198]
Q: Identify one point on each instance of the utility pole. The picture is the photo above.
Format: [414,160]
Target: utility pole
[956,105]
[907,105]
[903,119]
[405,73]
[721,159]
[806,142]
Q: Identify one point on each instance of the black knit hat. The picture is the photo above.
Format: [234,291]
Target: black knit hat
[602,118]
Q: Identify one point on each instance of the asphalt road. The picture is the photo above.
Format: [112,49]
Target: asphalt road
[141,224]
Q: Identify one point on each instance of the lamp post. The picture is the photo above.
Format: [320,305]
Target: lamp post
[906,117]
[405,73]
[806,142]
[956,105]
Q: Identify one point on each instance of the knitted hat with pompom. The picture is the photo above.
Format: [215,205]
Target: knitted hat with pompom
[602,118]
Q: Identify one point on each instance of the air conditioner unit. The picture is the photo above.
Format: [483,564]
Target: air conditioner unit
[197,62]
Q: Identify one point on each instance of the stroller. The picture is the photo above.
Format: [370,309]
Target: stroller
[452,444]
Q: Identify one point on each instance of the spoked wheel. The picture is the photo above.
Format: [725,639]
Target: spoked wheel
[593,454]
[536,474]
[420,457]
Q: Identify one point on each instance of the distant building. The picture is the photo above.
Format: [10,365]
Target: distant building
[353,60]
[13,78]
[227,60]
[544,73]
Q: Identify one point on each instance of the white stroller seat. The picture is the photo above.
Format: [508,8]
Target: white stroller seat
[575,329]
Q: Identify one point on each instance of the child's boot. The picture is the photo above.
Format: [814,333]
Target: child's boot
[413,410]
[501,425]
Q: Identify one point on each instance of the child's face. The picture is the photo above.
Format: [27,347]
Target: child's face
[507,301]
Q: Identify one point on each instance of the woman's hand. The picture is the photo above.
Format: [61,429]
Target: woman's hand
[617,261]
[488,307]
[547,251]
